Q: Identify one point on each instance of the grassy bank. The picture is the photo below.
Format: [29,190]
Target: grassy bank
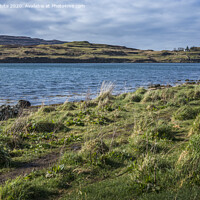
[139,145]
[85,52]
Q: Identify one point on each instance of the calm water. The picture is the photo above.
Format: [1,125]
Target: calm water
[55,83]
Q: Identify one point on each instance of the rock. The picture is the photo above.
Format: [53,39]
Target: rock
[190,83]
[158,86]
[154,86]
[23,104]
[7,111]
[168,85]
[165,86]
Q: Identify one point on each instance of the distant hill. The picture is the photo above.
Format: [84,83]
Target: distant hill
[33,50]
[26,41]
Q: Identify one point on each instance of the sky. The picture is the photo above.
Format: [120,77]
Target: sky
[142,24]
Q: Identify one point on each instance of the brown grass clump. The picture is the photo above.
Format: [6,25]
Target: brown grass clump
[106,90]
[20,125]
[182,157]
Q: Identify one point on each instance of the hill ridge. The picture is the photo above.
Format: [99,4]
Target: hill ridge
[26,41]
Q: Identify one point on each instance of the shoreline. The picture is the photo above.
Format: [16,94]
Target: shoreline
[148,87]
[86,61]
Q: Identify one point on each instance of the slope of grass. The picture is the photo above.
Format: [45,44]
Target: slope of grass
[139,145]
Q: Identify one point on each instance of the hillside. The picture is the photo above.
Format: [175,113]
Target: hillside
[24,41]
[85,52]
[142,145]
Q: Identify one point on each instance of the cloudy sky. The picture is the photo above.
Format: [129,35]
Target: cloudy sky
[143,24]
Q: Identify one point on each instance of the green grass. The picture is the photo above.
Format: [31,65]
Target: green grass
[139,145]
[186,112]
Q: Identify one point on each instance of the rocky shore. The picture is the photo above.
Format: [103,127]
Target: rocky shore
[7,111]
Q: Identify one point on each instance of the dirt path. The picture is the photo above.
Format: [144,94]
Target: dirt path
[26,168]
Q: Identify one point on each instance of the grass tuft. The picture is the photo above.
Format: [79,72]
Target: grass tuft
[185,113]
[106,90]
[195,126]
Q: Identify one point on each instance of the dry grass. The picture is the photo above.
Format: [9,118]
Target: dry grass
[106,89]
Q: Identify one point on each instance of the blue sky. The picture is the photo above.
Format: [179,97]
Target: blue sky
[143,24]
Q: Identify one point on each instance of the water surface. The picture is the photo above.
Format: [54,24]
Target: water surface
[56,83]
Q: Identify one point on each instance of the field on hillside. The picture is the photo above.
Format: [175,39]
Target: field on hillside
[88,52]
[142,145]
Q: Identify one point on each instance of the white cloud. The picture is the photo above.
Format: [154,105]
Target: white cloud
[144,24]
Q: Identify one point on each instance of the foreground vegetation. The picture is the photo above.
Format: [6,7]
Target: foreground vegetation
[140,145]
[87,52]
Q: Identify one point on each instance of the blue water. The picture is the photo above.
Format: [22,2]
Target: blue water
[56,83]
